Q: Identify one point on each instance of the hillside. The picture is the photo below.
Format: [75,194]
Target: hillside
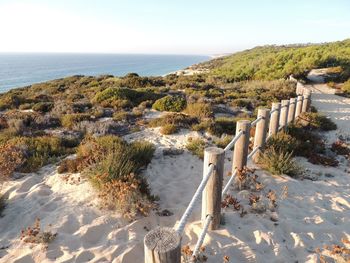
[274,62]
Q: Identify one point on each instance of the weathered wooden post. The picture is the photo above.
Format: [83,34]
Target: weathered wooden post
[299,106]
[261,131]
[291,111]
[306,101]
[284,114]
[274,118]
[240,152]
[162,245]
[211,197]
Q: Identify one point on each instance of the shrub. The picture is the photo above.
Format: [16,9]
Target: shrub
[323,160]
[199,110]
[223,141]
[282,142]
[180,120]
[168,129]
[196,147]
[38,151]
[68,166]
[69,120]
[43,106]
[125,196]
[278,162]
[346,87]
[340,147]
[242,103]
[170,103]
[11,158]
[308,142]
[35,235]
[217,127]
[314,120]
[134,97]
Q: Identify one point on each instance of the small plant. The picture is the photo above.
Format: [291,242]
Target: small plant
[341,148]
[246,179]
[35,235]
[223,141]
[187,255]
[231,201]
[199,110]
[69,120]
[335,253]
[196,147]
[323,160]
[279,163]
[178,119]
[314,120]
[124,195]
[282,142]
[168,129]
[170,103]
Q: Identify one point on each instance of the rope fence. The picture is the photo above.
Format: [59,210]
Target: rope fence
[162,244]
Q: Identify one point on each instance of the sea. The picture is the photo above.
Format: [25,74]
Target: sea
[23,69]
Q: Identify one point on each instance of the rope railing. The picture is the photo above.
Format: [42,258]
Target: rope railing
[254,151]
[194,200]
[163,245]
[229,182]
[234,140]
[256,121]
[202,235]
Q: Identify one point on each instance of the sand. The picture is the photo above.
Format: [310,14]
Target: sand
[313,214]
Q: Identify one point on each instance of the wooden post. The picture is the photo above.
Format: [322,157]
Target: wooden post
[299,106]
[284,114]
[260,131]
[162,245]
[291,111]
[306,101]
[275,117]
[240,152]
[211,197]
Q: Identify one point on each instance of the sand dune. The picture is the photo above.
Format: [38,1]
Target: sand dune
[313,214]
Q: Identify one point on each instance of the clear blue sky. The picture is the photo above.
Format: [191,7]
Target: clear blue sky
[171,27]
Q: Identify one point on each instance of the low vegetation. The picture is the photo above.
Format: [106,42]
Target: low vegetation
[196,147]
[170,103]
[35,235]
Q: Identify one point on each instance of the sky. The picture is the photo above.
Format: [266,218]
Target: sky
[167,27]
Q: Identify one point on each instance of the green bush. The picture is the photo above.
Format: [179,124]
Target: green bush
[170,103]
[279,163]
[168,129]
[134,97]
[196,147]
[69,120]
[199,110]
[242,103]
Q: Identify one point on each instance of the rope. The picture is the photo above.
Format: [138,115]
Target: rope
[229,183]
[256,121]
[208,219]
[234,140]
[253,152]
[273,111]
[194,200]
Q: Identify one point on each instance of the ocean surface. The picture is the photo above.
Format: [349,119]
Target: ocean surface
[21,69]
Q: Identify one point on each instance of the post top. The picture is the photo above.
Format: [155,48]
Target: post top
[276,104]
[162,239]
[285,101]
[243,122]
[214,150]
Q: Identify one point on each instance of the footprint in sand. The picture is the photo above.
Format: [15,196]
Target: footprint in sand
[84,256]
[94,234]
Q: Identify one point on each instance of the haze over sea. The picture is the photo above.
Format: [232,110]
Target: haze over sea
[22,69]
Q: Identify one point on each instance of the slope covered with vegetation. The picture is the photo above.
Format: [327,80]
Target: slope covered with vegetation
[274,62]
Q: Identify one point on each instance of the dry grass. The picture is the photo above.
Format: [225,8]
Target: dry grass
[35,235]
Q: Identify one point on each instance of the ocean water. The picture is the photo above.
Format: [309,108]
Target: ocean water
[20,69]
